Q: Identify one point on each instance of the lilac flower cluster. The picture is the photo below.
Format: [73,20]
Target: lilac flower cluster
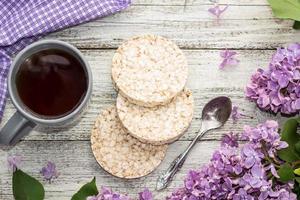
[229,59]
[14,162]
[277,89]
[108,194]
[248,173]
[217,11]
[236,114]
[230,139]
[145,195]
[49,172]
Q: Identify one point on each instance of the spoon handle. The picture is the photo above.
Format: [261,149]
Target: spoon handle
[167,176]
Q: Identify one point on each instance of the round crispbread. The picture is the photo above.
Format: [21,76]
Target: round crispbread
[157,125]
[149,70]
[119,153]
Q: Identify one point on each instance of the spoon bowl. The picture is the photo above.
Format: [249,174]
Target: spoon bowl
[216,112]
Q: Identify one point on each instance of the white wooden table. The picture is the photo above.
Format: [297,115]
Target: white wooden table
[248,27]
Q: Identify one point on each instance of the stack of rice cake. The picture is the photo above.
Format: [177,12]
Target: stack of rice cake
[153,107]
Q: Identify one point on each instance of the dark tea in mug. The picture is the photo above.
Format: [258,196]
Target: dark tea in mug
[51,83]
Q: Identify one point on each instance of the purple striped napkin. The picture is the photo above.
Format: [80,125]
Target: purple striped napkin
[24,21]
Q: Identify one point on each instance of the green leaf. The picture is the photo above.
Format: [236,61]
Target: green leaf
[297,179]
[296,25]
[89,189]
[298,119]
[286,9]
[288,155]
[286,173]
[297,171]
[26,187]
[297,147]
[289,134]
[289,131]
[296,189]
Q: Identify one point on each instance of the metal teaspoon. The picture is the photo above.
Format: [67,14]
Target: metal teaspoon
[214,114]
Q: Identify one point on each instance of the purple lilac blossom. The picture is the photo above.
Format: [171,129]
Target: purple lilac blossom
[277,89]
[228,58]
[108,194]
[236,114]
[240,174]
[230,139]
[264,135]
[145,195]
[14,162]
[217,11]
[49,172]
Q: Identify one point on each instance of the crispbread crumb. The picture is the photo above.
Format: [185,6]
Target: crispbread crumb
[149,70]
[119,153]
[160,124]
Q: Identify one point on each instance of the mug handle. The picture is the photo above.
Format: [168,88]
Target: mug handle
[16,128]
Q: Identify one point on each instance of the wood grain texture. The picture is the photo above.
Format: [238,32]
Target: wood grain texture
[200,2]
[247,26]
[77,166]
[206,81]
[241,27]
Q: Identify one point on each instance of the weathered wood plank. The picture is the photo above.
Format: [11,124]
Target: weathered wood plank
[247,24]
[241,27]
[199,2]
[77,166]
[205,80]
[152,13]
